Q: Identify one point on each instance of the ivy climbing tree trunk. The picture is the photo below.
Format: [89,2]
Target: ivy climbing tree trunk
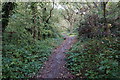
[46,16]
[7,10]
[33,8]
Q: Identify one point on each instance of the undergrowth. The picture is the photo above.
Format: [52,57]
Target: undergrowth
[22,58]
[95,58]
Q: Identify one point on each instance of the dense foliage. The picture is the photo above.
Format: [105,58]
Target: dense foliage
[22,59]
[32,30]
[27,42]
[96,54]
[95,58]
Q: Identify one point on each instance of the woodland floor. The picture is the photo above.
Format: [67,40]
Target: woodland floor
[55,66]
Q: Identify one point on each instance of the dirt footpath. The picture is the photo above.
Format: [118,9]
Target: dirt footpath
[55,66]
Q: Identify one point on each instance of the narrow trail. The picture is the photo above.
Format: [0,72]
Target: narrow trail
[55,66]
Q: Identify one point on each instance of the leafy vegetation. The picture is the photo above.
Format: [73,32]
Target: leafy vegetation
[95,58]
[32,30]
[96,54]
[27,42]
[23,59]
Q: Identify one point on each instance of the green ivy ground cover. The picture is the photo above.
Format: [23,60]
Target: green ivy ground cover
[95,58]
[24,60]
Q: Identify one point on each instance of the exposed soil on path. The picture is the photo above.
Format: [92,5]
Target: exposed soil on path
[55,66]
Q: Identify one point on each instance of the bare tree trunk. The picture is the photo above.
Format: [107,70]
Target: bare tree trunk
[71,27]
[106,29]
[50,14]
[104,12]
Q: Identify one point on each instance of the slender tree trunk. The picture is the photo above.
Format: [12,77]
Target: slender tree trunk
[106,29]
[104,12]
[34,32]
[33,8]
[39,35]
[71,28]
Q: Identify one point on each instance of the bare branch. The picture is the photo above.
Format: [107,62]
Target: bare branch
[50,13]
[96,6]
